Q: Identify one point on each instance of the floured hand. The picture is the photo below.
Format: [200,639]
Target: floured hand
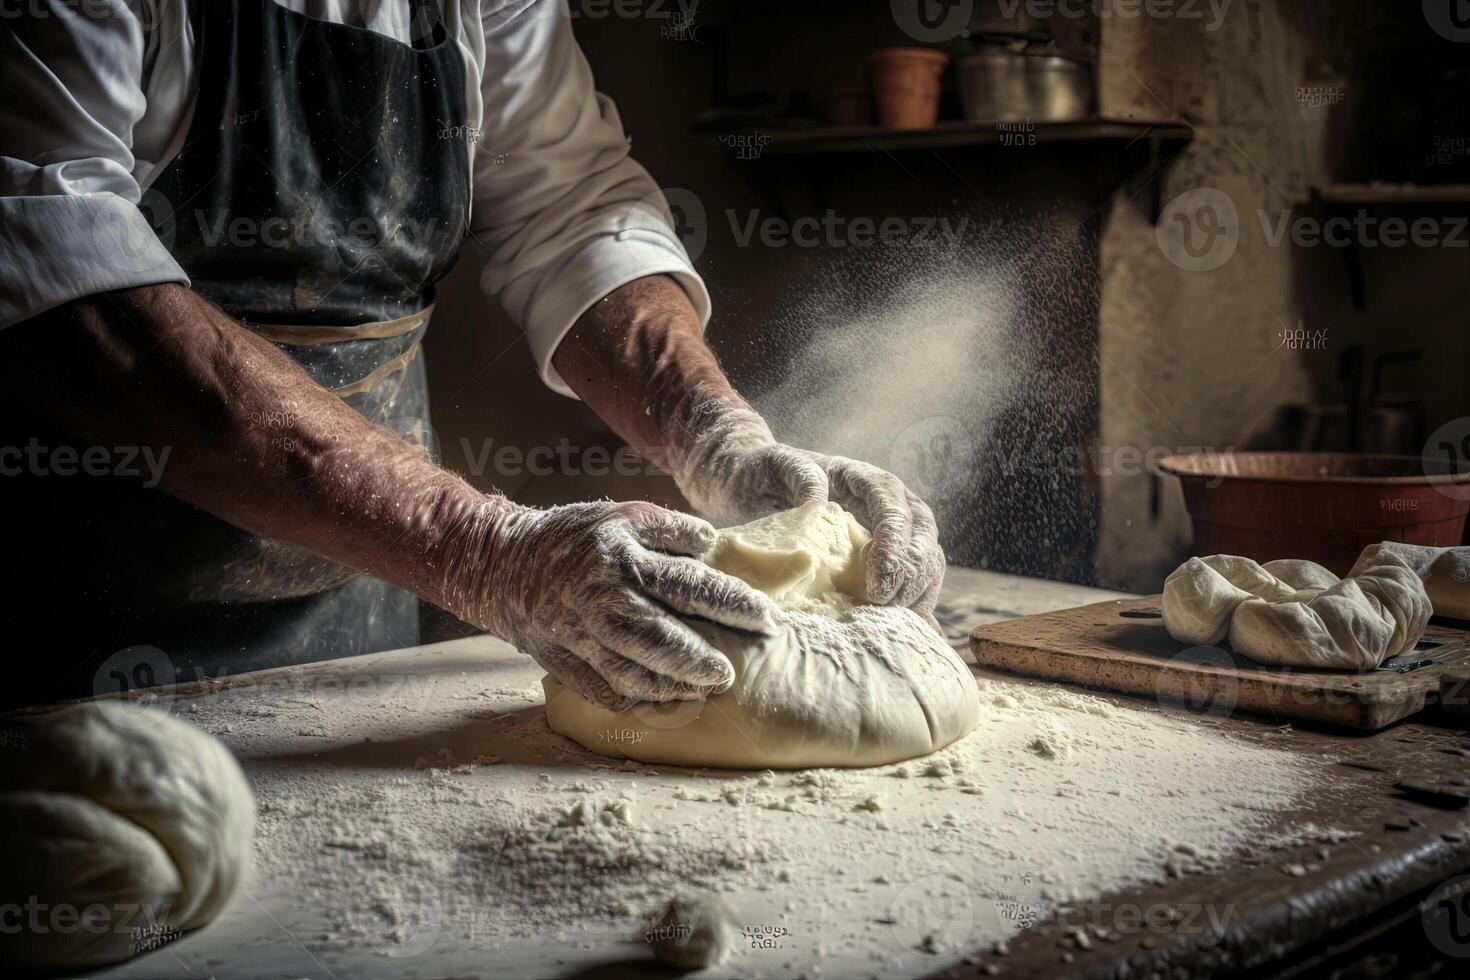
[734,472]
[590,591]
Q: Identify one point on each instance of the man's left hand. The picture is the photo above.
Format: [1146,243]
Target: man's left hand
[737,472]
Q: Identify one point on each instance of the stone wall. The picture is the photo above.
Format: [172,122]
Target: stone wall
[1191,346]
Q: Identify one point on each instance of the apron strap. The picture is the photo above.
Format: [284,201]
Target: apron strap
[382,371]
[309,335]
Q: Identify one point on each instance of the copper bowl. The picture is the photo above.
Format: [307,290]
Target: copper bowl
[1325,507]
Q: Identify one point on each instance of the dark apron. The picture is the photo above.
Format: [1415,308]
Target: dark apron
[318,200]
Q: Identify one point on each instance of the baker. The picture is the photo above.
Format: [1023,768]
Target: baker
[223,223]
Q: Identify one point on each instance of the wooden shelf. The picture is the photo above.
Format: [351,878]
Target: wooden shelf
[866,139]
[1378,192]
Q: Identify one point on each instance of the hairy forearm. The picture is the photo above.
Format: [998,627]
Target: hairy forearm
[250,438]
[639,360]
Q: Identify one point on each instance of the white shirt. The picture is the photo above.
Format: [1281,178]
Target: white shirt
[97,96]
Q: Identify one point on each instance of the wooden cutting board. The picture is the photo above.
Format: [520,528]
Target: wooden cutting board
[1122,646]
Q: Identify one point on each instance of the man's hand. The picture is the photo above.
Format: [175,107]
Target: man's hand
[735,471]
[638,359]
[590,591]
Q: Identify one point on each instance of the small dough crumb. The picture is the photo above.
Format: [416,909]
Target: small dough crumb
[693,932]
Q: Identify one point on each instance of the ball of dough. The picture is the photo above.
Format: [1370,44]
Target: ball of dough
[693,932]
[1296,613]
[841,682]
[120,827]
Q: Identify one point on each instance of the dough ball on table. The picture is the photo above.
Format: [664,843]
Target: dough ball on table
[120,827]
[693,932]
[841,683]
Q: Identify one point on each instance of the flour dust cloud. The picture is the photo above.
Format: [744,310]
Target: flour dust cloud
[968,371]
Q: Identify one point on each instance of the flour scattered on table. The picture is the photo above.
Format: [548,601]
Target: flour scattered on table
[1056,798]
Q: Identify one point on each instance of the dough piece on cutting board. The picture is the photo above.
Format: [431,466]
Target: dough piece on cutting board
[841,683]
[1445,573]
[1296,613]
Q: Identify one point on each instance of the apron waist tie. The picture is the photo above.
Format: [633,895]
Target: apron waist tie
[312,335]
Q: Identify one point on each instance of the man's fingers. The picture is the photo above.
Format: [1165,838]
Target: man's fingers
[920,591]
[691,587]
[804,478]
[631,680]
[890,564]
[639,631]
[575,674]
[668,530]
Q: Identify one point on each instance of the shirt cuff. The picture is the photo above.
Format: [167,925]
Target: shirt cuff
[547,313]
[61,247]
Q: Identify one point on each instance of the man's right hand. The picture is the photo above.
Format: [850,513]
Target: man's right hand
[591,591]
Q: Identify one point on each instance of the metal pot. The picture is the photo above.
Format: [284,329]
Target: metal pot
[1014,82]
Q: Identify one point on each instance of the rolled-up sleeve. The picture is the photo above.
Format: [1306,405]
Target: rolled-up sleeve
[70,95]
[566,214]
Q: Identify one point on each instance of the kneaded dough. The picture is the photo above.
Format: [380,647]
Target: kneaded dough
[841,683]
[1296,613]
[1445,573]
[132,825]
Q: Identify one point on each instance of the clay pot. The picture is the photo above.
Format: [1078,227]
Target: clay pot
[906,84]
[1325,507]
